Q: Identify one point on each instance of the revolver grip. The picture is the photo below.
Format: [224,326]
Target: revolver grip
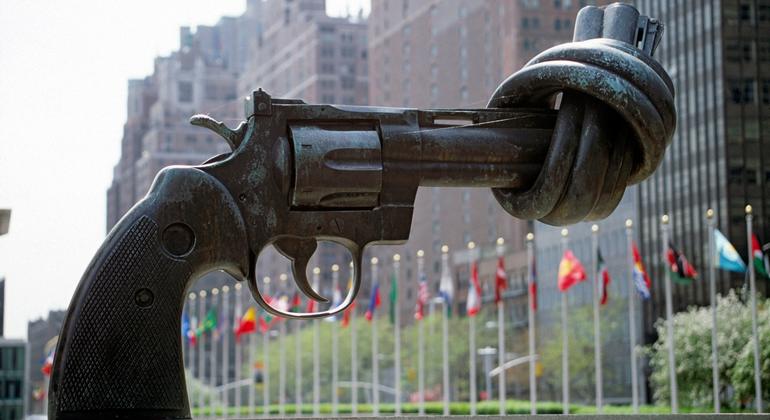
[119,352]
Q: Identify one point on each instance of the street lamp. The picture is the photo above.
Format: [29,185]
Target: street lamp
[488,353]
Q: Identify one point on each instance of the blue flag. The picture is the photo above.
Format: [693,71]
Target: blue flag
[727,258]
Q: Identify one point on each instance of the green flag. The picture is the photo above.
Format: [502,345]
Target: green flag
[209,323]
[393,294]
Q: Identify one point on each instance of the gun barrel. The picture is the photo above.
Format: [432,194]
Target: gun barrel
[478,156]
[343,165]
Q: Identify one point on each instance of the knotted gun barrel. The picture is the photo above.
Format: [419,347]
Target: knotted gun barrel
[559,142]
[616,117]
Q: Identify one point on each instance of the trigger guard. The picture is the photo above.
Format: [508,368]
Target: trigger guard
[349,298]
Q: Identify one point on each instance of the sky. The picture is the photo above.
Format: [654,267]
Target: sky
[64,68]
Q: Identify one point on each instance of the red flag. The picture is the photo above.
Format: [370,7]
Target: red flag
[571,271]
[640,277]
[263,325]
[48,364]
[296,302]
[422,298]
[680,269]
[533,283]
[605,278]
[501,280]
[347,314]
[311,305]
[247,324]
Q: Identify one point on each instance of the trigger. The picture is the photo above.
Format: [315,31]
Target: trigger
[232,137]
[299,251]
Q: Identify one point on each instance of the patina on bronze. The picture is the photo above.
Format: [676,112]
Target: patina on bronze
[299,173]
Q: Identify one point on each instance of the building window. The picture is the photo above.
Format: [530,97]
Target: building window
[185,91]
[190,139]
[347,82]
[745,13]
[530,4]
[742,91]
[327,68]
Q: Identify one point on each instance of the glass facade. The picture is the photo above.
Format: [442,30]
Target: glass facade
[12,367]
[718,56]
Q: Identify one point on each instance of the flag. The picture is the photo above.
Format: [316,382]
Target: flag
[48,363]
[533,283]
[311,305]
[347,314]
[605,278]
[38,393]
[247,324]
[374,302]
[209,323]
[188,330]
[446,289]
[393,295]
[680,270]
[571,271]
[640,277]
[726,257]
[296,302]
[265,321]
[761,263]
[501,280]
[473,304]
[422,298]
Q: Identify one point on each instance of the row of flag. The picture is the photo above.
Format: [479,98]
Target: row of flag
[571,272]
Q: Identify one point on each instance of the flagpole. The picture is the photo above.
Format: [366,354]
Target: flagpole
[472,337]
[201,343]
[375,350]
[316,353]
[531,326]
[335,339]
[669,323]
[213,359]
[753,292]
[225,350]
[251,357]
[421,342]
[713,297]
[265,364]
[397,338]
[297,369]
[353,359]
[501,337]
[238,350]
[191,309]
[597,326]
[564,337]
[632,318]
[445,330]
[282,357]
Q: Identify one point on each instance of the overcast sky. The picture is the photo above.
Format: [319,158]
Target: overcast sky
[64,67]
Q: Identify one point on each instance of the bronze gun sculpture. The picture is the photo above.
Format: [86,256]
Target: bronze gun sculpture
[298,173]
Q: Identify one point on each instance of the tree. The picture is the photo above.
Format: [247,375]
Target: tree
[692,336]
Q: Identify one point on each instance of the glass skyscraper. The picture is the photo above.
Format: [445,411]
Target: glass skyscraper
[718,56]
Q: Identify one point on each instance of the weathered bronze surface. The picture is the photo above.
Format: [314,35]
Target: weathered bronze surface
[299,173]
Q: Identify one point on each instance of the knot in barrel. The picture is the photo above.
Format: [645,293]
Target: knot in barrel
[614,122]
